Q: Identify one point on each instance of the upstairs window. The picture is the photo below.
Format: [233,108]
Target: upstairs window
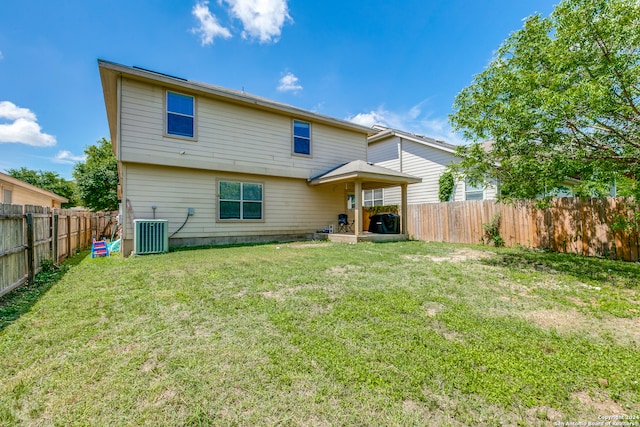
[180,115]
[301,137]
[240,200]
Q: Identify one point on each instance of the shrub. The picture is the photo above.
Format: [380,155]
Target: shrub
[492,231]
[446,186]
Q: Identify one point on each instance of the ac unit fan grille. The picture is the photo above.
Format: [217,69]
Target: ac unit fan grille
[150,236]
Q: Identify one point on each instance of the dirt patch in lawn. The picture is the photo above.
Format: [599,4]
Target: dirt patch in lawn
[309,245]
[599,401]
[280,295]
[622,330]
[539,414]
[460,255]
[436,409]
[283,293]
[344,270]
[432,308]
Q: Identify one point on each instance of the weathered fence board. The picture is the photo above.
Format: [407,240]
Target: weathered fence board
[570,225]
[13,267]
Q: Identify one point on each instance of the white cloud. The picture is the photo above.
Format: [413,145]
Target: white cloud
[10,111]
[67,157]
[23,128]
[289,83]
[413,120]
[1,56]
[368,119]
[208,28]
[261,19]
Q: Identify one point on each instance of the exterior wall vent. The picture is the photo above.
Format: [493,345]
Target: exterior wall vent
[150,236]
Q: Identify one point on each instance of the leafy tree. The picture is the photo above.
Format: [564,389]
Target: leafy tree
[97,177]
[628,188]
[49,181]
[560,99]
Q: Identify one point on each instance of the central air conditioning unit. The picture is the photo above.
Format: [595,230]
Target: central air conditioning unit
[150,236]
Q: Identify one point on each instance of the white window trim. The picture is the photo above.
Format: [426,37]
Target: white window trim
[372,199]
[473,190]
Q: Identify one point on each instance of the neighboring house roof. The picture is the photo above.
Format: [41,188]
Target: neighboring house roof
[11,180]
[385,133]
[372,176]
[110,71]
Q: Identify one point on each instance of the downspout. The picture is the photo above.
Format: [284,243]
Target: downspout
[118,125]
[124,211]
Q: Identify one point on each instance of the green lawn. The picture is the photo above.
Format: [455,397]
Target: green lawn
[318,334]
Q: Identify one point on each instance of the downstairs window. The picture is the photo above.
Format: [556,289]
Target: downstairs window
[240,200]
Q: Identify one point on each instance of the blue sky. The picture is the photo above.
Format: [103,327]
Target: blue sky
[396,63]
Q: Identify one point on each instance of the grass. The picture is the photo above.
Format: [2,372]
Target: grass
[407,333]
[21,300]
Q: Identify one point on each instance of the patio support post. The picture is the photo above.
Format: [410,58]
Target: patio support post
[357,225]
[404,208]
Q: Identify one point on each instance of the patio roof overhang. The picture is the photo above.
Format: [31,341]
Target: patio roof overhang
[367,176]
[370,175]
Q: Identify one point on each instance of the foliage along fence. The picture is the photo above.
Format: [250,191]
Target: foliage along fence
[31,234]
[606,227]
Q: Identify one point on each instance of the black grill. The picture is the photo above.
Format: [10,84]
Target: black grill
[385,223]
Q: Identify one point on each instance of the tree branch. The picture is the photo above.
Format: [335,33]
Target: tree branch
[607,55]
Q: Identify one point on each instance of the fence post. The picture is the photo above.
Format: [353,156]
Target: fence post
[54,238]
[68,234]
[79,225]
[30,248]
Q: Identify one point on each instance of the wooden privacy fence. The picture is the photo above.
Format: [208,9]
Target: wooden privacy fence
[592,227]
[31,234]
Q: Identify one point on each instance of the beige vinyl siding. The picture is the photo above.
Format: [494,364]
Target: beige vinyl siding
[290,205]
[229,137]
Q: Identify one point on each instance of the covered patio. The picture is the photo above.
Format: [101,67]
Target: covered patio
[357,176]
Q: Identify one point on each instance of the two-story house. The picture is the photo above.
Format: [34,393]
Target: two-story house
[223,166]
[423,157]
[428,158]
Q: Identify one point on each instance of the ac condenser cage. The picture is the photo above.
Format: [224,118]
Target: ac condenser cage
[150,236]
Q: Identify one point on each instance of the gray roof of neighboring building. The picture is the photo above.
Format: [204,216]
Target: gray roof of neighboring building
[384,133]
